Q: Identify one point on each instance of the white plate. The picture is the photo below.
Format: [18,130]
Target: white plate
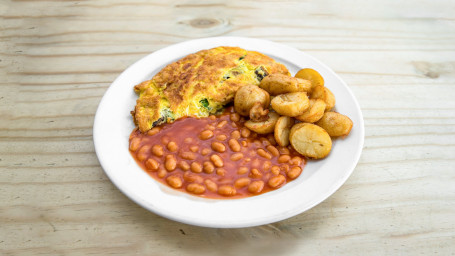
[113,125]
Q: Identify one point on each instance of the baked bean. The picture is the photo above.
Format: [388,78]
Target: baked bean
[255,173]
[265,141]
[210,127]
[235,135]
[191,177]
[264,154]
[135,143]
[195,188]
[276,181]
[284,159]
[211,185]
[221,137]
[244,143]
[196,167]
[267,176]
[188,140]
[206,151]
[296,160]
[256,186]
[234,125]
[258,143]
[172,146]
[221,124]
[252,153]
[208,167]
[273,150]
[157,150]
[285,168]
[205,135]
[283,150]
[227,190]
[234,145]
[267,165]
[212,117]
[194,148]
[275,170]
[217,161]
[174,181]
[218,147]
[235,117]
[245,132]
[256,163]
[184,165]
[144,149]
[161,172]
[221,171]
[153,131]
[188,155]
[294,172]
[242,182]
[247,160]
[242,170]
[170,163]
[271,139]
[141,156]
[165,140]
[152,164]
[236,156]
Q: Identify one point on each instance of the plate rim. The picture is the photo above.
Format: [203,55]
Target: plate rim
[218,41]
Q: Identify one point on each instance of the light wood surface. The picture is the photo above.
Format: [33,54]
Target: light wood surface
[57,58]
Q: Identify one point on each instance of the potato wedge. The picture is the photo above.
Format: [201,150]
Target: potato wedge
[314,112]
[321,92]
[282,130]
[263,127]
[310,140]
[311,75]
[276,84]
[291,104]
[335,124]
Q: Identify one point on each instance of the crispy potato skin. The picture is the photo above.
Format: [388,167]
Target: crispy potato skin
[314,112]
[310,140]
[263,127]
[277,84]
[282,130]
[335,124]
[291,104]
[213,75]
[247,96]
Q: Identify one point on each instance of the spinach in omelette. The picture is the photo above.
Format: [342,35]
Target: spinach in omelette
[199,84]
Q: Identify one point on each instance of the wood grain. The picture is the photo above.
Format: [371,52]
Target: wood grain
[57,58]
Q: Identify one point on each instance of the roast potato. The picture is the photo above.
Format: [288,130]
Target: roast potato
[247,96]
[314,112]
[277,84]
[291,104]
[310,140]
[335,124]
[311,75]
[258,113]
[263,127]
[282,129]
[321,92]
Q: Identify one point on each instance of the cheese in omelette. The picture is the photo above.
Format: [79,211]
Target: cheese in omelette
[199,84]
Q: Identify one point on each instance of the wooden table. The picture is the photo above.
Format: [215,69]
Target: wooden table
[58,58]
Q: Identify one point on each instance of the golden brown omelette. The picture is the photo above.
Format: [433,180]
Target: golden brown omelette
[199,84]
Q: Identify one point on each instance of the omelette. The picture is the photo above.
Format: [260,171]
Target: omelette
[199,84]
